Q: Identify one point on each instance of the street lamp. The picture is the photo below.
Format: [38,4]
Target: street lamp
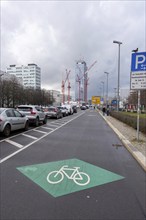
[107,89]
[1,89]
[115,92]
[118,88]
[103,90]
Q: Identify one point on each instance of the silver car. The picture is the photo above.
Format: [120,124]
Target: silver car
[34,113]
[11,120]
[54,112]
[64,110]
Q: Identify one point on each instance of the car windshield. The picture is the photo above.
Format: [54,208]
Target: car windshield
[24,108]
[51,109]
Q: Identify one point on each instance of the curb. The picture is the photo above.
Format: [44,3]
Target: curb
[140,158]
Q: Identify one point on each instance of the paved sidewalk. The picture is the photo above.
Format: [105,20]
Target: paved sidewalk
[128,137]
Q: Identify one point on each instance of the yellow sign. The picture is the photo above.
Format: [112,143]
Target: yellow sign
[95,100]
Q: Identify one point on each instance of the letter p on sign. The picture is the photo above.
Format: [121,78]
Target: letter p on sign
[140,59]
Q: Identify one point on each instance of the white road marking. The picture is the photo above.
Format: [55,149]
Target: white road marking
[29,136]
[14,143]
[43,132]
[48,128]
[18,151]
[54,125]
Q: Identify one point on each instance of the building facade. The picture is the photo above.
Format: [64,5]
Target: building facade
[80,81]
[30,75]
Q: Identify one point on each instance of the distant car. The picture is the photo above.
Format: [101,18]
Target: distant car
[34,113]
[83,107]
[11,120]
[64,110]
[54,112]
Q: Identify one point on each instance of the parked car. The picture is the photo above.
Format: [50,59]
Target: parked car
[54,112]
[64,110]
[34,113]
[70,109]
[11,120]
[83,107]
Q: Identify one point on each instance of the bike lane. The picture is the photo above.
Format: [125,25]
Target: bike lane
[29,190]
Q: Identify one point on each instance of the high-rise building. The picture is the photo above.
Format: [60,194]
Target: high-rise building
[80,81]
[30,75]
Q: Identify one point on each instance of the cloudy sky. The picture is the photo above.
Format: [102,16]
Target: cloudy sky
[55,34]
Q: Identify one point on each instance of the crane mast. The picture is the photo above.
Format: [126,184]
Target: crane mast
[87,79]
[63,86]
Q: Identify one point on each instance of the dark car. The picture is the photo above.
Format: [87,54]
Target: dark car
[54,112]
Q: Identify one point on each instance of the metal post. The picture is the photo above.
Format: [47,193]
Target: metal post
[138,111]
[106,89]
[103,91]
[1,89]
[118,92]
[118,97]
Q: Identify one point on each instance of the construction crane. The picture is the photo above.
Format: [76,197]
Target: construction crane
[63,86]
[86,79]
[78,79]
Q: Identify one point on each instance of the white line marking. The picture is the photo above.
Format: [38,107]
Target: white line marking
[48,128]
[29,136]
[18,151]
[14,143]
[43,132]
[56,123]
[53,125]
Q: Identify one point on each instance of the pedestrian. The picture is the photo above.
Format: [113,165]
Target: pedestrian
[104,110]
[107,111]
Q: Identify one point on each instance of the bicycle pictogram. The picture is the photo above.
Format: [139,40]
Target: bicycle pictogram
[80,178]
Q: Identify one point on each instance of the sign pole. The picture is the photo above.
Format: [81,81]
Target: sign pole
[138,111]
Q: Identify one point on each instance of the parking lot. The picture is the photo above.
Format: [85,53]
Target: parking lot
[20,140]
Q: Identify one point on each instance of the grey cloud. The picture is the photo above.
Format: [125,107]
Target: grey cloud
[54,34]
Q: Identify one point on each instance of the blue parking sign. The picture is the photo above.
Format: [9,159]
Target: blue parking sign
[138,62]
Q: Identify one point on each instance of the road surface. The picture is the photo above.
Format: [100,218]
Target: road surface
[75,168]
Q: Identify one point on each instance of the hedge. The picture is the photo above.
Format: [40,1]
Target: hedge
[130,120]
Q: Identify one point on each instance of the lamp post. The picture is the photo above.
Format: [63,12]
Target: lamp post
[107,89]
[118,87]
[1,89]
[103,90]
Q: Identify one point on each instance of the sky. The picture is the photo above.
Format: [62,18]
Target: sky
[56,34]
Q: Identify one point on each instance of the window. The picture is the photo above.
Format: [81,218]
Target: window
[17,114]
[10,113]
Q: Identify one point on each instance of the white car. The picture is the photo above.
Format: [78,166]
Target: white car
[34,113]
[70,109]
[11,120]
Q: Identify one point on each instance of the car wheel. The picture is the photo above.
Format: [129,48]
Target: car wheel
[26,126]
[7,131]
[37,122]
[45,120]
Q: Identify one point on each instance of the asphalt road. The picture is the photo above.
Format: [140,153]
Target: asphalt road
[75,168]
